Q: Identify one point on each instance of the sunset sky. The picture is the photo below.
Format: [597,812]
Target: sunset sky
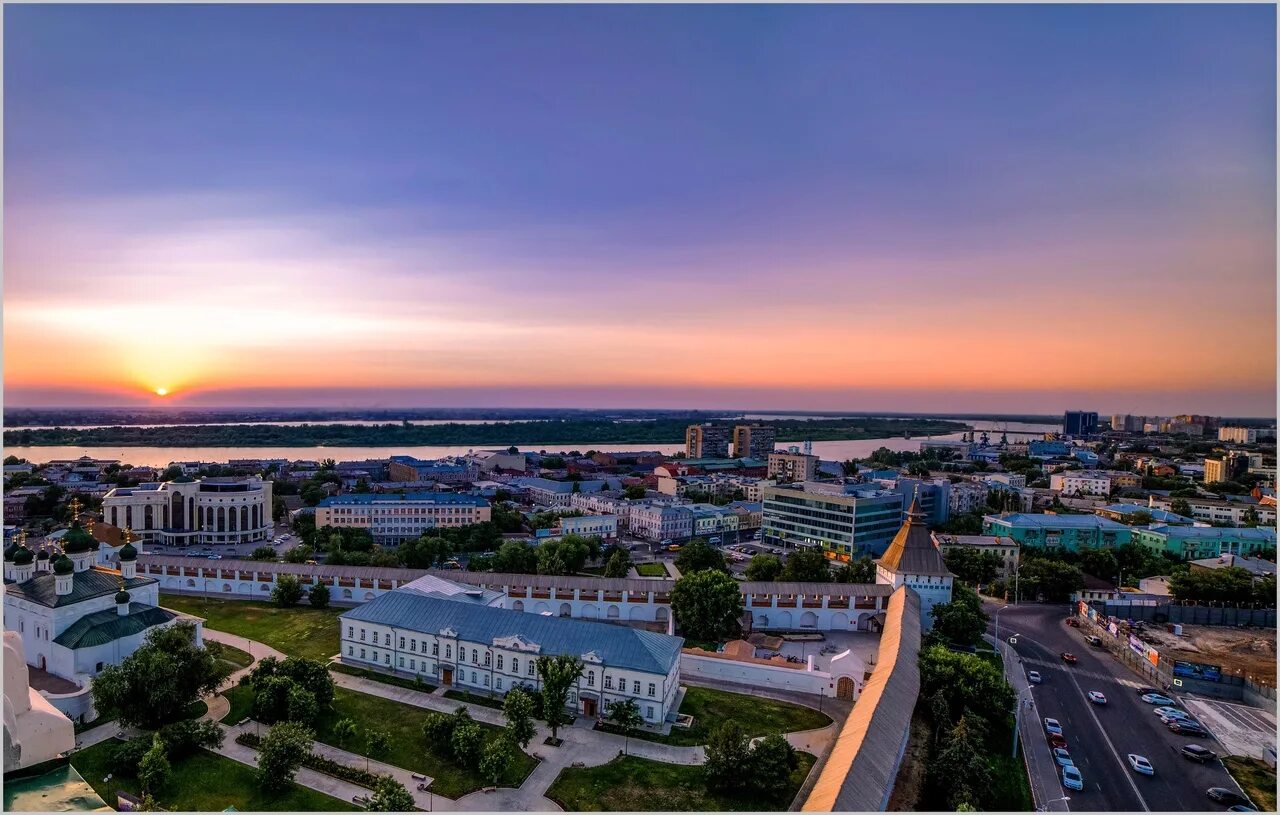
[980,208]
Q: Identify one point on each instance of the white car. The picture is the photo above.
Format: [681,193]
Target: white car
[1052,727]
[1156,699]
[1172,712]
[1141,765]
[1063,758]
[1071,778]
[1033,677]
[1097,697]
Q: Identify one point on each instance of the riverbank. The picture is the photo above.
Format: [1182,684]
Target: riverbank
[579,433]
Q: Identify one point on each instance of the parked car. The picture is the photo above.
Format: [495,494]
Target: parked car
[1225,796]
[1097,697]
[1057,740]
[1068,657]
[1073,622]
[1033,677]
[1240,808]
[1145,691]
[1071,778]
[1157,699]
[1189,727]
[1194,752]
[1053,727]
[1141,765]
[1095,641]
[1063,758]
[1167,710]
[1171,718]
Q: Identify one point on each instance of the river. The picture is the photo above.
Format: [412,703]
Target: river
[161,456]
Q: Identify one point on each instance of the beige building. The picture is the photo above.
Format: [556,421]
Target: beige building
[394,518]
[185,511]
[1004,548]
[754,441]
[792,466]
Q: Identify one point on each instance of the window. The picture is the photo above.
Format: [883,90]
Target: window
[608,682]
[402,643]
[473,677]
[649,715]
[387,640]
[591,679]
[362,635]
[487,657]
[531,667]
[486,680]
[402,663]
[653,689]
[386,658]
[499,661]
[498,684]
[362,656]
[515,665]
[475,657]
[97,668]
[413,665]
[635,687]
[435,649]
[413,645]
[351,651]
[350,632]
[448,652]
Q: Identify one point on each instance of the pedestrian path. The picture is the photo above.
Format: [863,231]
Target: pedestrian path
[1042,770]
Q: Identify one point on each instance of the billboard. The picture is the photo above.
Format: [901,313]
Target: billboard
[1137,646]
[1198,670]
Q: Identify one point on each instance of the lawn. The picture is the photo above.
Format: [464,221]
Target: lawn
[651,570]
[757,715]
[387,679]
[474,699]
[241,699]
[300,631]
[232,655]
[205,782]
[1256,779]
[408,747]
[630,784]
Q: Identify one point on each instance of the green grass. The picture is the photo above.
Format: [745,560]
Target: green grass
[387,679]
[474,699]
[408,747]
[205,782]
[241,699]
[635,784]
[300,631]
[233,656]
[651,570]
[757,715]
[1256,779]
[195,710]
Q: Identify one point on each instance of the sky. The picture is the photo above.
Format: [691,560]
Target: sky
[935,208]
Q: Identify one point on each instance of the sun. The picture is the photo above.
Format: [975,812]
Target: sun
[162,391]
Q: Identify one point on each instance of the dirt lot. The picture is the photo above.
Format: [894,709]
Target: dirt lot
[1248,650]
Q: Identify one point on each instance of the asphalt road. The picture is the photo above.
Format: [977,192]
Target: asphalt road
[1100,736]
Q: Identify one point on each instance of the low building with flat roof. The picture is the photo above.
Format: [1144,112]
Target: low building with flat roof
[1048,531]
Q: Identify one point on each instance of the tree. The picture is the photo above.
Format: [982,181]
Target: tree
[1099,562]
[516,558]
[619,564]
[288,591]
[425,552]
[697,555]
[156,683]
[467,743]
[377,742]
[281,753]
[184,738]
[496,758]
[318,597]
[1230,585]
[1054,579]
[728,758]
[558,673]
[299,554]
[624,715]
[862,570]
[764,568]
[973,566]
[1180,506]
[154,770]
[263,553]
[518,708]
[849,467]
[707,605]
[961,768]
[773,760]
[806,566]
[389,795]
[966,682]
[344,730]
[301,705]
[635,492]
[959,623]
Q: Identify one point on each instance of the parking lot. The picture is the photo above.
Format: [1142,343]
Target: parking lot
[1242,730]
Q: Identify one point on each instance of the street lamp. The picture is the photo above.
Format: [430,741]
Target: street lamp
[1017,716]
[1002,608]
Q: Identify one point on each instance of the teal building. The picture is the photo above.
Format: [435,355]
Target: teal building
[1071,532]
[1196,542]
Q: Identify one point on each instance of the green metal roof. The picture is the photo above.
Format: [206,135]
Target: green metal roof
[106,626]
[84,586]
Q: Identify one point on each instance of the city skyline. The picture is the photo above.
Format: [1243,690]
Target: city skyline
[903,208]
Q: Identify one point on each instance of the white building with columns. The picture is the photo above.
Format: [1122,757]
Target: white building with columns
[185,511]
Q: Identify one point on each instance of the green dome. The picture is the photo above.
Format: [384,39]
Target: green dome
[127,552]
[43,554]
[78,540]
[10,551]
[63,565]
[122,597]
[23,556]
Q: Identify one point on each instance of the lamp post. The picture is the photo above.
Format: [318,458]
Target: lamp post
[997,637]
[1017,717]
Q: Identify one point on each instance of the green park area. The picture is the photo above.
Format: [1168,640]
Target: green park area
[203,782]
[756,715]
[630,784]
[1256,779]
[651,570]
[300,631]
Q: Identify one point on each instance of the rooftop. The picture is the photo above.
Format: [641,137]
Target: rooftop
[912,550]
[1047,521]
[85,585]
[108,625]
[356,498]
[616,646]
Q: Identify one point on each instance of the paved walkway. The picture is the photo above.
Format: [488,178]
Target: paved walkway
[1042,769]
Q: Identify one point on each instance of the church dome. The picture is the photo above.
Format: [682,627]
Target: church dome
[127,552]
[122,597]
[63,565]
[78,540]
[43,554]
[23,556]
[10,551]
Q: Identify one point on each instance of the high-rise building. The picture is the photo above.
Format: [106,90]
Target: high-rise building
[706,441]
[754,441]
[842,520]
[1080,423]
[1226,468]
[792,466]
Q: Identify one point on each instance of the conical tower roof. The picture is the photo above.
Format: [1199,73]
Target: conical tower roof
[912,550]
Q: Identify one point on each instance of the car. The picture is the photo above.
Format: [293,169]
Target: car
[1170,718]
[1057,740]
[1071,778]
[1145,691]
[675,547]
[1096,642]
[1052,727]
[1141,765]
[1240,808]
[1068,657]
[1194,752]
[1188,727]
[1063,758]
[1225,796]
[215,557]
[1167,710]
[1157,699]
[1033,677]
[1073,622]
[1097,697]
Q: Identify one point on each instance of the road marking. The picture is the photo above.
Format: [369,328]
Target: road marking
[1124,766]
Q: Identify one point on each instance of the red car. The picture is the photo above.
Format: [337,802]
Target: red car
[1073,622]
[1057,740]
[1068,658]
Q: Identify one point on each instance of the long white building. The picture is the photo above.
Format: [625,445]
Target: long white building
[393,519]
[186,511]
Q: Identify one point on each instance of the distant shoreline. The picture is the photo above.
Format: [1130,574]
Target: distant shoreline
[498,434]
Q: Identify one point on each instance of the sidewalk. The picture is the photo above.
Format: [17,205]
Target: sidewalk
[1042,770]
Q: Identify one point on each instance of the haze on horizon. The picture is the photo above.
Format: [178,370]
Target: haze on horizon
[1004,209]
